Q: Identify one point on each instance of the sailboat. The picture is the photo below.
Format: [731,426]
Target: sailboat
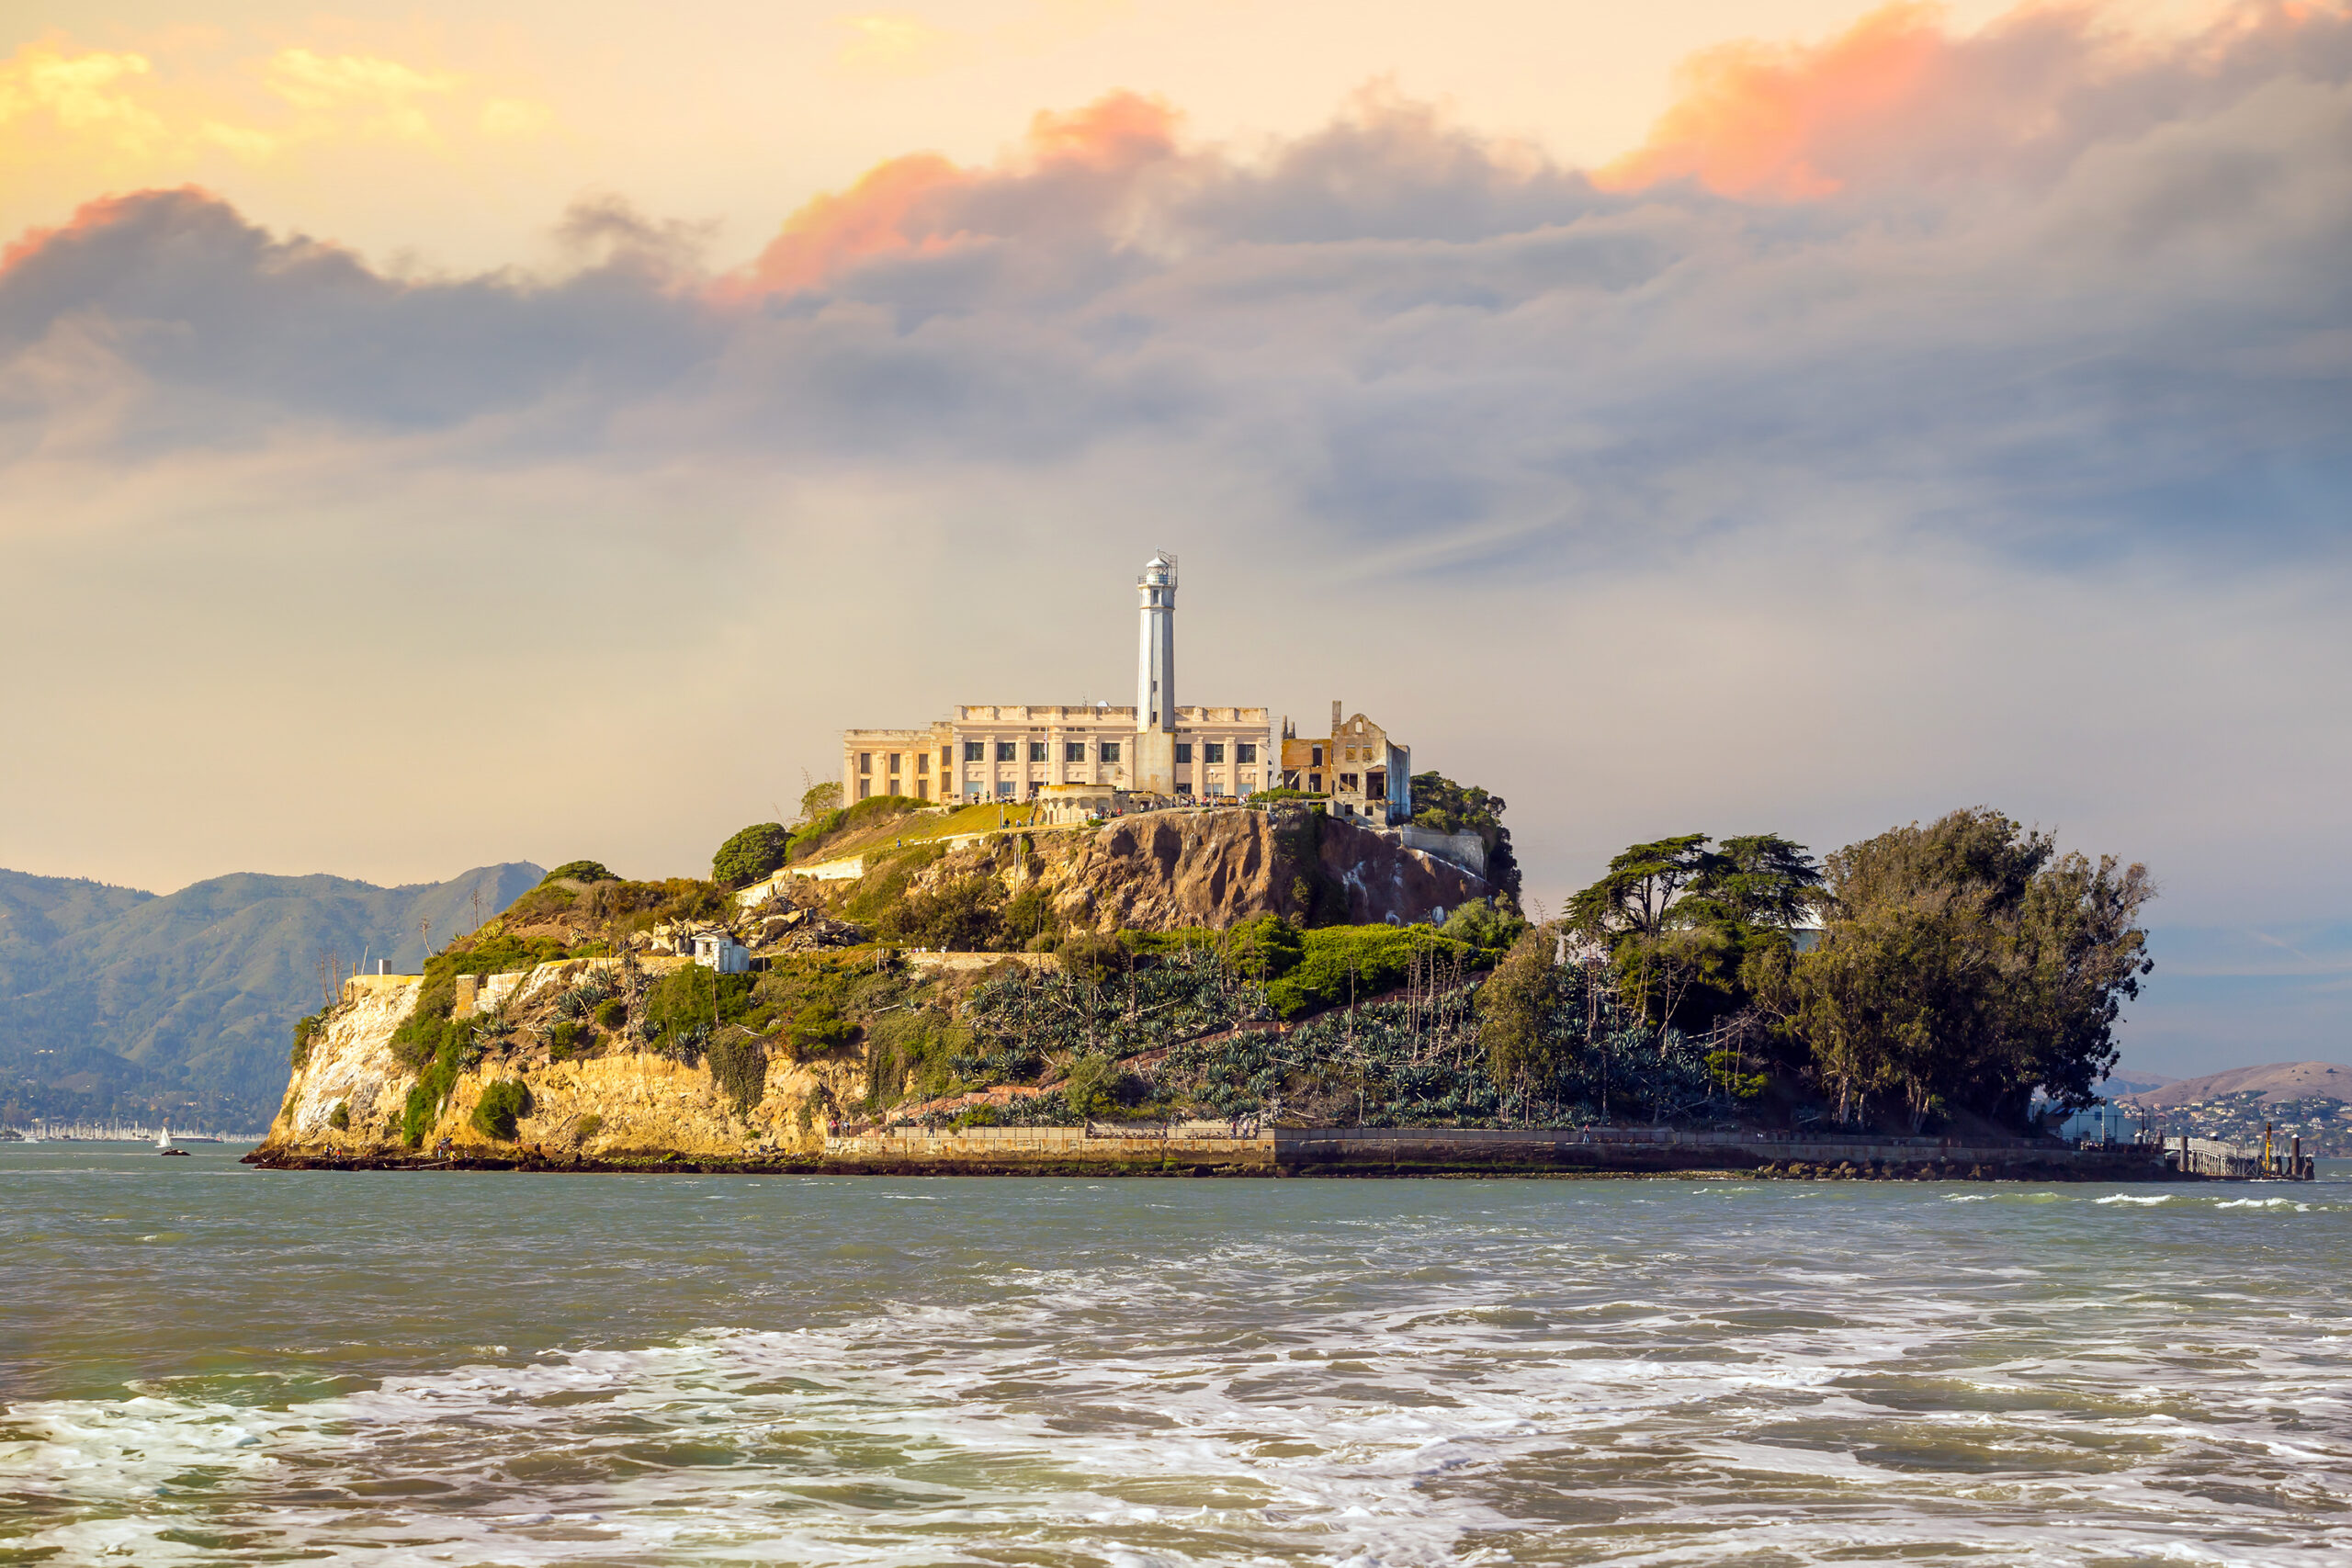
[163,1144]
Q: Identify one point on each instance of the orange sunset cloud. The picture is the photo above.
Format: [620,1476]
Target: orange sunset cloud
[913,203]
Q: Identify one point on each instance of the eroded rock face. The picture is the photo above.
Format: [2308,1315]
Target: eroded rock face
[1162,869]
[642,1103]
[1381,877]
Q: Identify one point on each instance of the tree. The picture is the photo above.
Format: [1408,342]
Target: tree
[1964,965]
[751,856]
[1444,807]
[1682,922]
[1518,1011]
[817,799]
[579,871]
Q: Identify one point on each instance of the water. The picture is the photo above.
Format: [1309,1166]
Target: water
[204,1364]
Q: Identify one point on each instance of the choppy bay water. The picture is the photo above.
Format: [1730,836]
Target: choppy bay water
[204,1364]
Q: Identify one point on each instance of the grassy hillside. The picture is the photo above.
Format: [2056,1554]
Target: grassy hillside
[116,1001]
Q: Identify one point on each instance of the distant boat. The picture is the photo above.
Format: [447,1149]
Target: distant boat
[163,1144]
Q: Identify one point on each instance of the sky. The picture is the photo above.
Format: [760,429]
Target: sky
[437,436]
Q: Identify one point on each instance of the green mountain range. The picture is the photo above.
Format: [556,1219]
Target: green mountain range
[115,1002]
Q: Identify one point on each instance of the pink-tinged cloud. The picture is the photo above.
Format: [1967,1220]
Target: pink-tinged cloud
[924,202]
[1898,98]
[1757,120]
[91,217]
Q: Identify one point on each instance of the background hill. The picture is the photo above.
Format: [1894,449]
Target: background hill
[2278,1081]
[114,1001]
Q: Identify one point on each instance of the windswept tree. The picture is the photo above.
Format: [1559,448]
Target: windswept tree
[1681,923]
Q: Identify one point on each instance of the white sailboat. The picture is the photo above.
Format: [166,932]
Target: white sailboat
[163,1144]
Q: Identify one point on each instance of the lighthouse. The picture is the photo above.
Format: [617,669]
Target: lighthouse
[1156,661]
[1155,770]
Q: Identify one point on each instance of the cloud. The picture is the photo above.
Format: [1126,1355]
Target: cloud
[114,112]
[1982,436]
[1071,169]
[1898,100]
[91,95]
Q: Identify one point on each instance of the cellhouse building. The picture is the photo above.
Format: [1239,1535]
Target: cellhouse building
[1016,751]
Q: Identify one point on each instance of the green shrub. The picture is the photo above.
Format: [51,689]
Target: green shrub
[809,841]
[1030,917]
[817,1029]
[1092,1087]
[306,1030]
[563,1039]
[340,1117]
[587,1127]
[981,1115]
[501,1105]
[751,856]
[692,996]
[804,843]
[964,916]
[1343,964]
[431,1091]
[612,1012]
[741,1069]
[1090,957]
[1481,925]
[1265,949]
[579,871]
[884,887]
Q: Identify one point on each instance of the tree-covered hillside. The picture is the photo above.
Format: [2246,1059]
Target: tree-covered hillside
[116,1001]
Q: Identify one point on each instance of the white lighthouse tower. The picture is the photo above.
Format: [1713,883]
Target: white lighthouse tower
[1155,770]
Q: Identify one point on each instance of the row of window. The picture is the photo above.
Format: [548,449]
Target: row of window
[1010,750]
[977,789]
[1072,751]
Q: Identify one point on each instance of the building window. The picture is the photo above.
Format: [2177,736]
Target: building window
[1110,751]
[947,758]
[1317,760]
[976,750]
[1073,751]
[1008,751]
[1004,787]
[1249,781]
[1315,784]
[923,761]
[1347,781]
[866,761]
[1036,750]
[894,764]
[922,789]
[865,788]
[1245,751]
[1215,751]
[1183,750]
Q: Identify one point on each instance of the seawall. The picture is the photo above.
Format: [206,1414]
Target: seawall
[1336,1151]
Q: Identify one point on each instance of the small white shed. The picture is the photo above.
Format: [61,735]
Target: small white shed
[723,953]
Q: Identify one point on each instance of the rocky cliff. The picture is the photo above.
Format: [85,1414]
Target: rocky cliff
[620,1105]
[1163,870]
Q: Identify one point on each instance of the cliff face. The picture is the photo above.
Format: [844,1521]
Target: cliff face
[644,1104]
[1163,869]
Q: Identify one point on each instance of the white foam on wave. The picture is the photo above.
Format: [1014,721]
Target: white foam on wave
[1290,1401]
[2131,1198]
